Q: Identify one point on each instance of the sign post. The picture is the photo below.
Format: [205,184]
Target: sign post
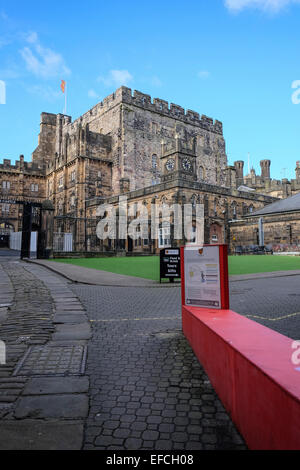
[169,264]
[204,276]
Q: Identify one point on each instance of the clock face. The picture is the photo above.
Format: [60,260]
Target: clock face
[170,165]
[186,164]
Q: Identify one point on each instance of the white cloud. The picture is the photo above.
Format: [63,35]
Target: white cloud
[3,15]
[92,94]
[9,73]
[4,42]
[272,6]
[41,61]
[203,74]
[116,78]
[155,81]
[45,92]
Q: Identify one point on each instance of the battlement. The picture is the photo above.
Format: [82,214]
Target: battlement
[21,166]
[142,100]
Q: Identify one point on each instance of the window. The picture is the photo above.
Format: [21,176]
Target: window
[72,201]
[60,207]
[49,188]
[73,175]
[154,162]
[6,184]
[61,182]
[34,187]
[215,207]
[99,179]
[234,211]
[5,208]
[164,240]
[201,173]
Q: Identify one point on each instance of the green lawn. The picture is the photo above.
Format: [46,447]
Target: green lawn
[147,267]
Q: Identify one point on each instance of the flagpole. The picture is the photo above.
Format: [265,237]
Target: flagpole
[65,110]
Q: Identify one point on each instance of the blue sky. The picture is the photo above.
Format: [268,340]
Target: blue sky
[233,60]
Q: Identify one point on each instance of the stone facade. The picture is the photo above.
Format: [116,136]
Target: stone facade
[24,181]
[263,183]
[281,232]
[124,145]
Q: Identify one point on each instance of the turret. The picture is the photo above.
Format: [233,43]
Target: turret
[239,168]
[297,171]
[265,168]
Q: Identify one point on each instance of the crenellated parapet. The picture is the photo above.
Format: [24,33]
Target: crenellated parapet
[157,105]
[31,168]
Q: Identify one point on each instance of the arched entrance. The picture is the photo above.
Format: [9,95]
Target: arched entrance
[5,230]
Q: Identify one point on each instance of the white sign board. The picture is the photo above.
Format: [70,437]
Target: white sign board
[202,277]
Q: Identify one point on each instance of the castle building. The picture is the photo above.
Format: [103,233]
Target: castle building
[263,183]
[131,145]
[279,223]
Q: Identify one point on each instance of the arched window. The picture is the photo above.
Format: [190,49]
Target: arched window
[154,161]
[194,201]
[201,173]
[234,210]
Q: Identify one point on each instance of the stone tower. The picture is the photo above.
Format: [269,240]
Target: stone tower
[297,170]
[239,168]
[265,168]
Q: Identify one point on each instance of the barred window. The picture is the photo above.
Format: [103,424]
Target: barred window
[34,187]
[6,184]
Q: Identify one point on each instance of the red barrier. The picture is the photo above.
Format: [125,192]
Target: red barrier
[251,369]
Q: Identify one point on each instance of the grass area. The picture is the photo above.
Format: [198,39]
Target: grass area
[250,264]
[147,267]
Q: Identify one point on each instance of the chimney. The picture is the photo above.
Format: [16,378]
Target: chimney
[239,168]
[297,170]
[265,168]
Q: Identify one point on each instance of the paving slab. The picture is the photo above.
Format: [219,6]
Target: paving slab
[3,314]
[52,406]
[69,318]
[72,332]
[83,275]
[41,435]
[56,385]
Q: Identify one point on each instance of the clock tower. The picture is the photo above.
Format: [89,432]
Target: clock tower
[178,161]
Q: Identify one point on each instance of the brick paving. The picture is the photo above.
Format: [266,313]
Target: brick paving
[142,388]
[148,390]
[42,403]
[273,302]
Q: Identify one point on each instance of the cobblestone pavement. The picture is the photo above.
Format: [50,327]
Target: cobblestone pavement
[143,388]
[148,390]
[273,302]
[43,389]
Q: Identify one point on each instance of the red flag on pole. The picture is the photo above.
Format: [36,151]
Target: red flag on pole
[63,86]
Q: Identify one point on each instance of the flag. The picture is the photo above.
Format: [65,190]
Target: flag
[63,86]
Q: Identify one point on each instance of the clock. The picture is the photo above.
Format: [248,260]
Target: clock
[186,164]
[170,165]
